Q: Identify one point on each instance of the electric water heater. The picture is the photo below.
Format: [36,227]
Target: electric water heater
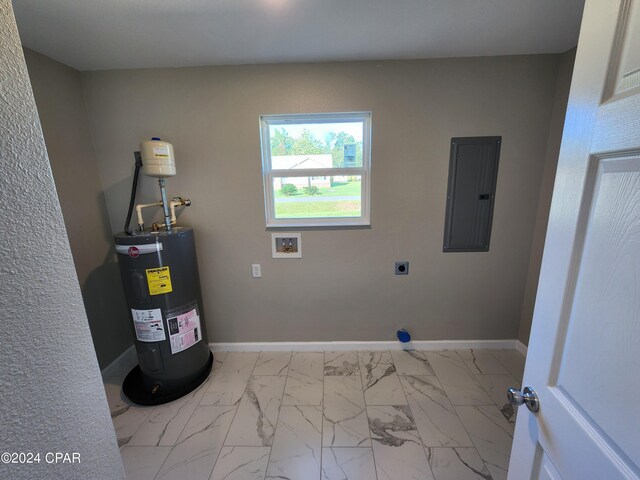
[159,272]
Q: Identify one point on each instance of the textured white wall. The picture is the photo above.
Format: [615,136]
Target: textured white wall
[51,395]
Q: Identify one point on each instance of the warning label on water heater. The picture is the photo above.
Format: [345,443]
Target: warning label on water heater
[184,331]
[159,280]
[148,325]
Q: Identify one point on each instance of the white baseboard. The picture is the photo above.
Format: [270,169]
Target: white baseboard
[125,362]
[521,347]
[390,345]
[128,358]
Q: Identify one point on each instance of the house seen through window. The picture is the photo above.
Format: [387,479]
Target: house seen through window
[316,169]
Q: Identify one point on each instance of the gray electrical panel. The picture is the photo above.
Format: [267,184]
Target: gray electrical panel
[473,171]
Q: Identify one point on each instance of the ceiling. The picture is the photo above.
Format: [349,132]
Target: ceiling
[107,34]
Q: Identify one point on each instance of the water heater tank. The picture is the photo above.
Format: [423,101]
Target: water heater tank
[162,288]
[157,158]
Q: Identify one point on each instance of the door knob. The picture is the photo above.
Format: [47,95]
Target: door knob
[527,397]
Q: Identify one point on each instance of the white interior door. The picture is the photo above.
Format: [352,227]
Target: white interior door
[584,352]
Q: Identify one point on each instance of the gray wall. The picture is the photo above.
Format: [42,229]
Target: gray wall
[344,287]
[50,387]
[58,94]
[546,191]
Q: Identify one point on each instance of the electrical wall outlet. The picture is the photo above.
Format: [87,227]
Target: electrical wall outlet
[402,268]
[256,270]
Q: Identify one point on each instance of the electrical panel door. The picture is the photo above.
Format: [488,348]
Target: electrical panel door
[473,171]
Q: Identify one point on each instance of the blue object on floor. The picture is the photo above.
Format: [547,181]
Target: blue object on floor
[403,335]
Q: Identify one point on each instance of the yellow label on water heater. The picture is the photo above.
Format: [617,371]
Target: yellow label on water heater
[159,280]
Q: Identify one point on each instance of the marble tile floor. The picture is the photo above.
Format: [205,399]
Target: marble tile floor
[345,415]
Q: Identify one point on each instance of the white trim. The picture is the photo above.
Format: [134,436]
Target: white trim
[521,347]
[386,345]
[364,219]
[125,361]
[128,358]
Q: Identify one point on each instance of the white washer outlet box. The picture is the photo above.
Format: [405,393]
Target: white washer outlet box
[286,245]
[256,270]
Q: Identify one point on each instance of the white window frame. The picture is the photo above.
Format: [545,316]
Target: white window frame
[268,174]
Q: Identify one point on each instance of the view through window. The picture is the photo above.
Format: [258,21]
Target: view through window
[316,168]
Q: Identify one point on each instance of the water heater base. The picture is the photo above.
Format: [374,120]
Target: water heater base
[133,387]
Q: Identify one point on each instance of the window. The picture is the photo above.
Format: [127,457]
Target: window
[316,169]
